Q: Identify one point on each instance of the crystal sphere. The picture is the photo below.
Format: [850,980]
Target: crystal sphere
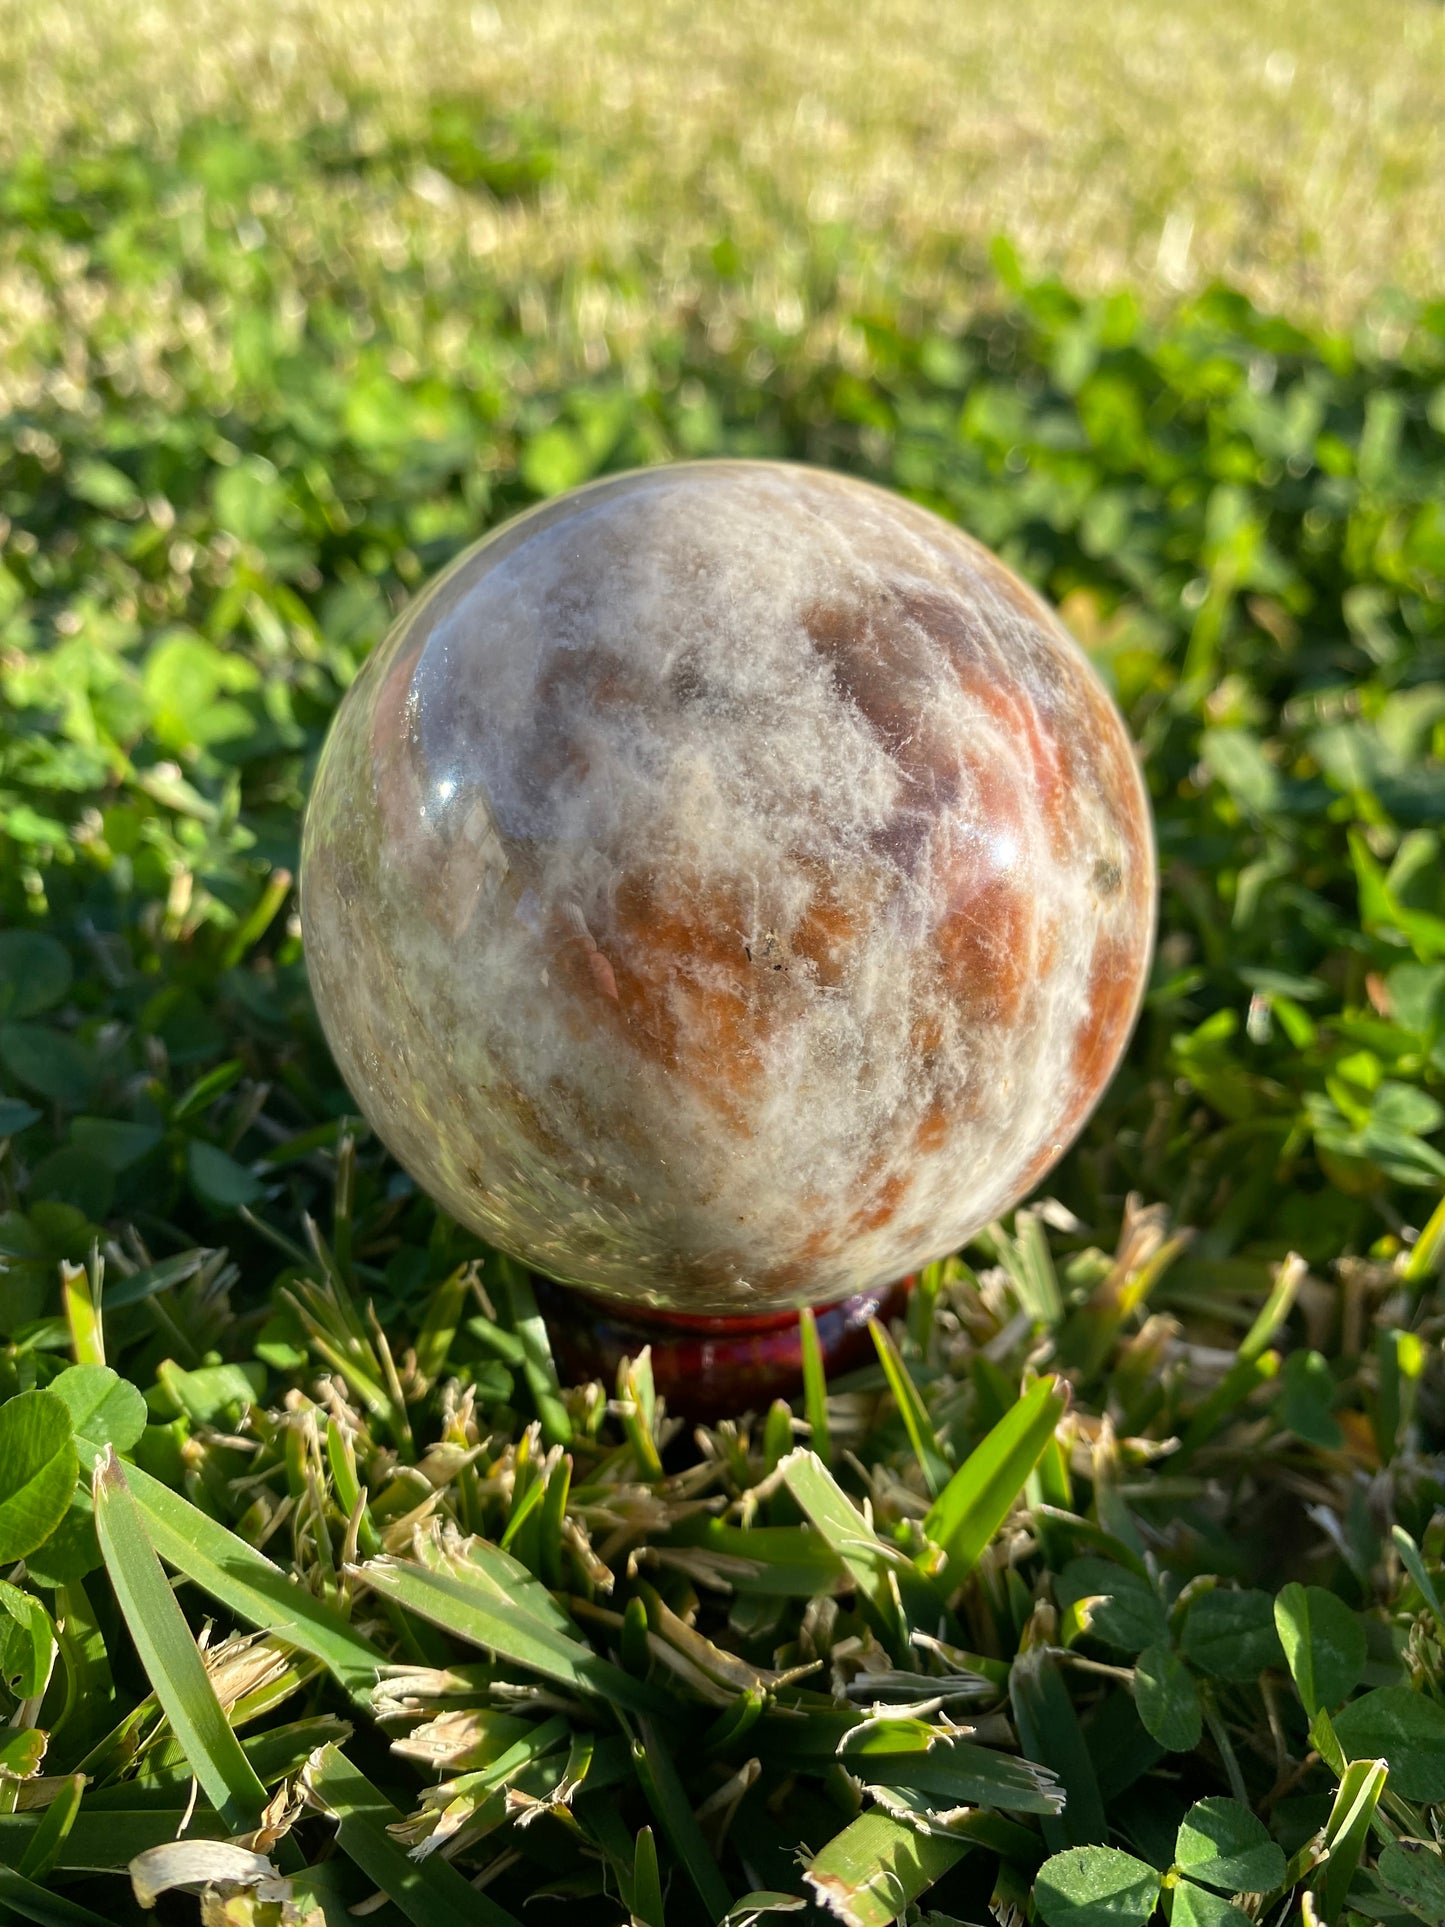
[727,887]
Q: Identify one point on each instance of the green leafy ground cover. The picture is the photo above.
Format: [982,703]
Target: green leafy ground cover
[1115,1588]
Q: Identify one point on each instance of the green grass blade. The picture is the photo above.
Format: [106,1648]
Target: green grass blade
[919,1426]
[346,1485]
[946,1771]
[169,1653]
[473,1615]
[607,1833]
[534,1745]
[1400,1358]
[1347,1830]
[815,1385]
[668,1799]
[1027,1259]
[923,1300]
[439,1327]
[46,1843]
[80,1288]
[869,1562]
[1323,1738]
[1049,1732]
[88,1703]
[1410,1558]
[1427,1255]
[646,1882]
[777,1434]
[771,1561]
[275,1752]
[636,1407]
[164,1276]
[552,1523]
[504,1344]
[247,1584]
[478,1562]
[751,1908]
[1288,1278]
[875,1869]
[1239,1383]
[978,1498]
[431,1893]
[254,927]
[524,1503]
[538,1366]
[46,1909]
[104,1838]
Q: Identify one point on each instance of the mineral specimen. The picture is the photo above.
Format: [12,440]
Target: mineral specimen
[727,887]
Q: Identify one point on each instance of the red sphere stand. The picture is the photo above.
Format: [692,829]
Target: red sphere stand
[710,1368]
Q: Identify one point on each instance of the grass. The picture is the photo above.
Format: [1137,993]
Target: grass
[1296,152]
[1114,1588]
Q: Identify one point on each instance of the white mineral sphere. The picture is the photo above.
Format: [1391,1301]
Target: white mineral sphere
[727,887]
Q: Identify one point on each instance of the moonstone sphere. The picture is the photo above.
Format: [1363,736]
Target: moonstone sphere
[727,887]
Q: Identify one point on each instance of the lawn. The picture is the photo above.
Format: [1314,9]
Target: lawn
[1297,152]
[1137,1525]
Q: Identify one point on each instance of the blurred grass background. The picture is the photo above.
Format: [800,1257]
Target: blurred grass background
[1298,152]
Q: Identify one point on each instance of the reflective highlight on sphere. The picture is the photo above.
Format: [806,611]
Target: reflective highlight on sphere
[728,887]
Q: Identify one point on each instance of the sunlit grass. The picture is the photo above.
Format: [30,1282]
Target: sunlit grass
[1297,151]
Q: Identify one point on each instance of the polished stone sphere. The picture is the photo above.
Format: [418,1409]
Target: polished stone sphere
[727,887]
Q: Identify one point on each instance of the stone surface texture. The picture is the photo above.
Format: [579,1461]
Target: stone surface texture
[727,887]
